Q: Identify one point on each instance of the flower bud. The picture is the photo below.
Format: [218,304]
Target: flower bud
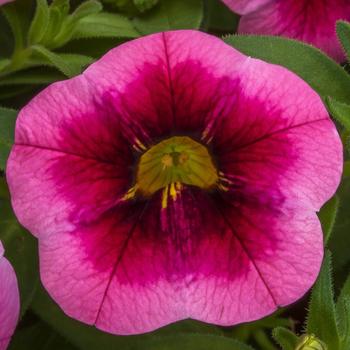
[310,342]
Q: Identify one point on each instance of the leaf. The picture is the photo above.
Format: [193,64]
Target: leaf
[285,338]
[343,32]
[40,22]
[68,26]
[346,171]
[219,18]
[327,216]
[16,14]
[39,336]
[38,76]
[89,338]
[170,14]
[144,5]
[68,64]
[319,71]
[340,111]
[343,312]
[3,63]
[322,314]
[20,249]
[110,25]
[7,130]
[85,9]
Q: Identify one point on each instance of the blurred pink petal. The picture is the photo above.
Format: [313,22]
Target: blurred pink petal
[244,6]
[2,2]
[9,300]
[229,254]
[311,21]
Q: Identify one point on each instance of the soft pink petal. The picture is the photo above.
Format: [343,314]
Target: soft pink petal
[312,21]
[243,7]
[128,266]
[9,301]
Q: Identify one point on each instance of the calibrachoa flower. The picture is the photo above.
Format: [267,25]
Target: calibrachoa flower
[312,21]
[175,178]
[9,300]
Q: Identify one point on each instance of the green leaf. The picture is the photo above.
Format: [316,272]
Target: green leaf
[38,76]
[322,314]
[343,309]
[319,71]
[343,312]
[327,216]
[343,31]
[110,25]
[16,14]
[170,14]
[68,26]
[340,112]
[39,336]
[68,64]
[89,338]
[3,63]
[219,18]
[20,249]
[346,171]
[285,338]
[7,130]
[87,8]
[144,5]
[40,22]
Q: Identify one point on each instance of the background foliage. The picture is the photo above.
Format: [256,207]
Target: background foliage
[43,42]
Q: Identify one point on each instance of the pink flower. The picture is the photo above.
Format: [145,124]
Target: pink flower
[9,301]
[312,21]
[175,178]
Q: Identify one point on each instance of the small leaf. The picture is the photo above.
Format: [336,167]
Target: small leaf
[327,216]
[68,26]
[87,8]
[40,22]
[110,25]
[340,111]
[322,314]
[170,14]
[7,130]
[285,338]
[144,5]
[68,64]
[343,31]
[319,71]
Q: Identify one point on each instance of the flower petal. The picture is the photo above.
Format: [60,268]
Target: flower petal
[311,21]
[143,268]
[243,7]
[277,141]
[9,301]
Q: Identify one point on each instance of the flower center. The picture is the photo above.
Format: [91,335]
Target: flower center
[170,164]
